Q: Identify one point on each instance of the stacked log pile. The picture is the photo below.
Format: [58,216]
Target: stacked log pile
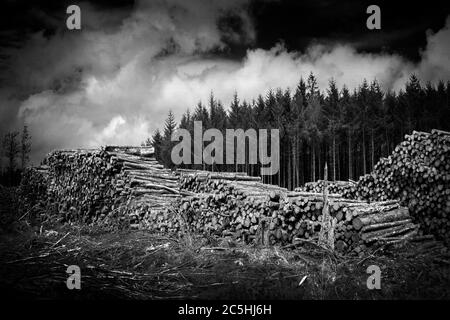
[345,188]
[108,186]
[358,224]
[126,185]
[417,173]
[151,190]
[230,204]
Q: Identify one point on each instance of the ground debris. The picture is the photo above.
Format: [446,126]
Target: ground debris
[147,265]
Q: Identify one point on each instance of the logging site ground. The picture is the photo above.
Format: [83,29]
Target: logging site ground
[147,265]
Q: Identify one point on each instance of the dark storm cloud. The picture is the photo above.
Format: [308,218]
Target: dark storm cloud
[83,88]
[301,23]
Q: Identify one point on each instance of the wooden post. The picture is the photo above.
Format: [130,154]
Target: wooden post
[326,235]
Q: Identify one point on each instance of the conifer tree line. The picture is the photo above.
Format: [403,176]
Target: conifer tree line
[15,150]
[350,130]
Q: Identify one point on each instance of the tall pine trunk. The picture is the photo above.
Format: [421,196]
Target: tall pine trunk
[334,157]
[313,160]
[350,170]
[289,172]
[319,160]
[294,160]
[364,150]
[387,142]
[373,149]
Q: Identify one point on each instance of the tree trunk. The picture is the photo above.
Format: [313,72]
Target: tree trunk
[338,164]
[387,142]
[373,150]
[289,171]
[350,174]
[298,167]
[294,165]
[334,157]
[319,160]
[313,160]
[364,150]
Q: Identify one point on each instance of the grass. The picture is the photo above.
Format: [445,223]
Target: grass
[144,265]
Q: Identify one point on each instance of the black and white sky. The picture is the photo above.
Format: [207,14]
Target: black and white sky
[114,81]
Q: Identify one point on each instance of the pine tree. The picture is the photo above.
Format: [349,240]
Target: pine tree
[156,142]
[362,99]
[217,120]
[167,144]
[389,119]
[270,114]
[201,114]
[374,114]
[312,89]
[413,104]
[301,92]
[332,115]
[313,116]
[185,120]
[442,108]
[169,126]
[348,123]
[235,113]
[217,114]
[297,131]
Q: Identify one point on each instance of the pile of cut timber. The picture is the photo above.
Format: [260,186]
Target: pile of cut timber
[417,173]
[345,188]
[358,224]
[227,203]
[111,185]
[231,204]
[126,186]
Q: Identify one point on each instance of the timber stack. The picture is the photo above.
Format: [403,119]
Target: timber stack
[345,188]
[228,204]
[357,224]
[116,186]
[126,186]
[231,204]
[418,174]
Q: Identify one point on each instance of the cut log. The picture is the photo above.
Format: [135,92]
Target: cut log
[376,218]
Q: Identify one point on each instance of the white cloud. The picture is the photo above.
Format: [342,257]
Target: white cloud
[435,64]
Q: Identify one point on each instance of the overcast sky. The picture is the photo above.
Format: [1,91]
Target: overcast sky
[114,81]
